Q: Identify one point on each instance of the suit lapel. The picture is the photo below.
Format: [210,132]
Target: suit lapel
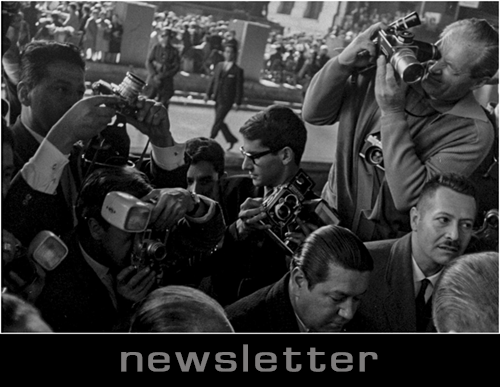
[400,301]
[279,309]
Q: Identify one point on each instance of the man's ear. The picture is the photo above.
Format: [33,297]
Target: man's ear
[414,217]
[298,281]
[480,83]
[95,228]
[23,93]
[288,155]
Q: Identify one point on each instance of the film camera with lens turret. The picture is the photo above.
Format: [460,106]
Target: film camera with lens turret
[402,51]
[291,204]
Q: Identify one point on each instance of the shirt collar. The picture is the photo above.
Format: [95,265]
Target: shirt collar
[467,107]
[418,275]
[33,133]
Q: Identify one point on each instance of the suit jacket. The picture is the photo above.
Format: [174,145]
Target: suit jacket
[26,211]
[74,299]
[389,305]
[226,86]
[267,310]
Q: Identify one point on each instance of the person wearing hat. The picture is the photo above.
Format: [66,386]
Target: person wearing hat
[162,64]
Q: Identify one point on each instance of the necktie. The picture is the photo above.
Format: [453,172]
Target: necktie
[423,310]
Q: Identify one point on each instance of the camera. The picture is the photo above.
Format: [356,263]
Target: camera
[372,151]
[46,249]
[130,214]
[487,235]
[283,206]
[289,203]
[403,52]
[128,91]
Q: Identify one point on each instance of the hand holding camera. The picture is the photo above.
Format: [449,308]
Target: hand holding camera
[390,91]
[152,120]
[147,116]
[362,50]
[171,205]
[133,285]
[85,120]
[250,217]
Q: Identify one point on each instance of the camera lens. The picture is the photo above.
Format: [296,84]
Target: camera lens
[131,87]
[407,66]
[374,155]
[156,250]
[291,201]
[282,211]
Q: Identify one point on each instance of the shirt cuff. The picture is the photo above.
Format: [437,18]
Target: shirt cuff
[44,170]
[169,158]
[210,213]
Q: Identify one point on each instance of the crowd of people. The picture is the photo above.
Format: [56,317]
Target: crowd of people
[169,242]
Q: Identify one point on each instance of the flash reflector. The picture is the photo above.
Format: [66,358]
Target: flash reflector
[126,212]
[48,250]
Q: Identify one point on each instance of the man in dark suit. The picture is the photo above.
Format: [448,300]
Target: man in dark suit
[321,292]
[55,120]
[226,87]
[442,220]
[95,286]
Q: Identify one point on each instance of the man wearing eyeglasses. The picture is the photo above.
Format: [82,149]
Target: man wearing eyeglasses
[273,143]
[422,129]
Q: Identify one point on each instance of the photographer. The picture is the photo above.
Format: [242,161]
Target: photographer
[51,133]
[94,288]
[273,143]
[426,128]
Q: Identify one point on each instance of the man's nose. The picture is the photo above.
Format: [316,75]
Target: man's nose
[347,310]
[247,164]
[434,67]
[192,187]
[453,231]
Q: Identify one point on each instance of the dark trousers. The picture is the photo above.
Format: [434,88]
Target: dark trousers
[221,111]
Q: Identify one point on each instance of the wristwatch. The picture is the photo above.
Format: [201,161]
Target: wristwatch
[196,200]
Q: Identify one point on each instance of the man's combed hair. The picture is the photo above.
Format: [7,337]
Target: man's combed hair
[331,245]
[205,149]
[465,298]
[453,181]
[179,309]
[102,181]
[481,34]
[277,127]
[38,54]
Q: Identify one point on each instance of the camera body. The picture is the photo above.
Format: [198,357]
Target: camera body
[130,214]
[283,206]
[404,52]
[128,91]
[287,205]
[372,151]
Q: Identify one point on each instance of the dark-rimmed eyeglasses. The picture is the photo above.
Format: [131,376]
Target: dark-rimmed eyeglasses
[255,156]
